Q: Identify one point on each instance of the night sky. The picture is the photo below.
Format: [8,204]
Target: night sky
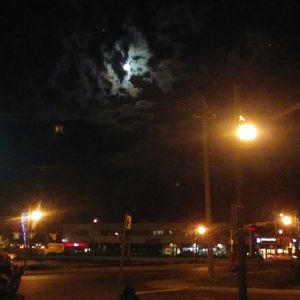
[130,142]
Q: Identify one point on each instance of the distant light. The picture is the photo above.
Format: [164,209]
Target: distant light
[126,67]
[116,233]
[287,220]
[58,129]
[280,231]
[247,132]
[95,220]
[201,229]
[36,215]
[281,215]
[266,239]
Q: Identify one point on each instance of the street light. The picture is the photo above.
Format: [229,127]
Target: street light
[201,230]
[26,219]
[286,220]
[247,132]
[36,215]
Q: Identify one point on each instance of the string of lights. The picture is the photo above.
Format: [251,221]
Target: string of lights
[24,220]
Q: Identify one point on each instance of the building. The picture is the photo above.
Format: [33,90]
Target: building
[147,239]
[273,239]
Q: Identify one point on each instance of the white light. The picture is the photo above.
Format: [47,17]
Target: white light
[268,239]
[247,132]
[116,233]
[95,220]
[287,220]
[126,67]
[36,215]
[201,229]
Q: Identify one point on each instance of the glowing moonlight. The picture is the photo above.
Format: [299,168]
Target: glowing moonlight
[126,67]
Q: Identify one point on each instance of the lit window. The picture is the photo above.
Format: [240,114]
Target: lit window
[59,129]
[158,232]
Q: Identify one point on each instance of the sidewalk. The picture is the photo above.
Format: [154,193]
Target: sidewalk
[190,285]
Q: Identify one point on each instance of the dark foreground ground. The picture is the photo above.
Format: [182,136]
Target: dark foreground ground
[179,281]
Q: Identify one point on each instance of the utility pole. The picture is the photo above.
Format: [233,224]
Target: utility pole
[240,205]
[210,255]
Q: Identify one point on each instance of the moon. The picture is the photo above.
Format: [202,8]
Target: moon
[126,67]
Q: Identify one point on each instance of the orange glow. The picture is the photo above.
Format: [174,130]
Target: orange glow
[286,220]
[36,215]
[247,132]
[201,229]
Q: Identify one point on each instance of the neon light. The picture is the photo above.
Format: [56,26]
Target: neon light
[265,239]
[79,244]
[24,220]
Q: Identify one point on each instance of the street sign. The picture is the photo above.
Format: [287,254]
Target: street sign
[128,222]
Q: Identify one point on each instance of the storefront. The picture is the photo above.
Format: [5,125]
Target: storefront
[276,247]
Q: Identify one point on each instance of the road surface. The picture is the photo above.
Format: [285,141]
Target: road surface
[104,284]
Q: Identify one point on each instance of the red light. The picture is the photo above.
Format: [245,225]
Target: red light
[250,228]
[76,244]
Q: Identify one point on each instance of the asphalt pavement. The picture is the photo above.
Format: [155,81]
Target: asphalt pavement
[151,282]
